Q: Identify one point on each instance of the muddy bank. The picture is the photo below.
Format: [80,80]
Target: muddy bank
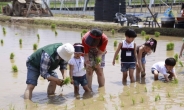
[86,23]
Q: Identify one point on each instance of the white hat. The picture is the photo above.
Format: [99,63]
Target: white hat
[65,51]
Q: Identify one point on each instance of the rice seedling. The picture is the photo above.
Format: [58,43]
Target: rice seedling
[147,38]
[14,68]
[128,93]
[175,81]
[153,88]
[66,81]
[26,106]
[145,89]
[181,104]
[36,104]
[38,36]
[56,33]
[2,41]
[133,101]
[53,26]
[84,31]
[4,31]
[157,97]
[35,46]
[116,107]
[11,107]
[176,57]
[115,43]
[142,100]
[66,107]
[84,103]
[157,34]
[181,64]
[170,46]
[143,33]
[97,60]
[103,98]
[122,104]
[12,56]
[117,57]
[20,41]
[168,94]
[113,31]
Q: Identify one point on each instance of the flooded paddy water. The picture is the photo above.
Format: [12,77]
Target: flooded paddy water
[140,95]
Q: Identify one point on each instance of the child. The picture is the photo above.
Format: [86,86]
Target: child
[142,51]
[181,51]
[77,70]
[167,69]
[128,55]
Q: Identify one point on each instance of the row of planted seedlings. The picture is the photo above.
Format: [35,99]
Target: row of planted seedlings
[35,46]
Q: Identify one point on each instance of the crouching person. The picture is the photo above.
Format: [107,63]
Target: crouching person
[43,62]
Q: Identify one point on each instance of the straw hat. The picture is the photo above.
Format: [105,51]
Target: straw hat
[65,51]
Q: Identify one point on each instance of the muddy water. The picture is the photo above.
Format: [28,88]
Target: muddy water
[114,96]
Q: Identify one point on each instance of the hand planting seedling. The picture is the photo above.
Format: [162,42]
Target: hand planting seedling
[66,81]
[181,64]
[97,60]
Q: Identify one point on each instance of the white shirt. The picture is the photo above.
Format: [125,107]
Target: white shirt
[160,66]
[78,64]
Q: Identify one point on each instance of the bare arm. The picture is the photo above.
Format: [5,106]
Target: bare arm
[135,53]
[139,58]
[116,53]
[71,67]
[166,78]
[181,51]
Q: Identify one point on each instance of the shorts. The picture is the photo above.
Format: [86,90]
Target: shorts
[153,69]
[80,80]
[33,74]
[126,66]
[143,60]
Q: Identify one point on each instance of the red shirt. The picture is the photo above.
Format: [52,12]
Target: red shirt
[101,47]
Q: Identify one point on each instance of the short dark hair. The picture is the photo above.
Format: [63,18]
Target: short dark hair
[96,32]
[170,62]
[130,33]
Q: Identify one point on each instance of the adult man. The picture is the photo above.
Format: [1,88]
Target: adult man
[95,42]
[43,62]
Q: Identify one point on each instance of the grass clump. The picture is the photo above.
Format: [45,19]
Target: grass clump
[181,64]
[176,57]
[147,38]
[20,41]
[66,81]
[14,68]
[170,46]
[115,43]
[143,33]
[157,97]
[35,46]
[53,26]
[157,34]
[38,36]
[12,56]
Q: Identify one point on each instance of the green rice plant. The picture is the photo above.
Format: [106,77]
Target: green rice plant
[4,31]
[36,104]
[14,68]
[170,46]
[133,101]
[145,89]
[153,88]
[168,94]
[181,104]
[157,97]
[176,57]
[113,31]
[157,34]
[143,33]
[116,107]
[11,107]
[56,33]
[181,64]
[115,43]
[122,104]
[103,98]
[20,41]
[67,81]
[38,36]
[26,106]
[12,56]
[35,46]
[2,41]
[84,103]
[117,57]
[98,60]
[147,38]
[84,31]
[53,26]
[142,100]
[66,107]
[175,81]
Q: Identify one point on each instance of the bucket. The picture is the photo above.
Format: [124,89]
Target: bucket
[168,22]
